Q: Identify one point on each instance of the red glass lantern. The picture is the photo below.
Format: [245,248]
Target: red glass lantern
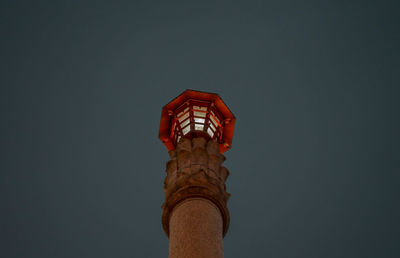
[197,114]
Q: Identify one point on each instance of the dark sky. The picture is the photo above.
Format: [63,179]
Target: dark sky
[315,88]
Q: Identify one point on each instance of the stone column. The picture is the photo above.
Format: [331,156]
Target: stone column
[195,215]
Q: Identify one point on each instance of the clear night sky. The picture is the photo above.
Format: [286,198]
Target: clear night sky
[315,88]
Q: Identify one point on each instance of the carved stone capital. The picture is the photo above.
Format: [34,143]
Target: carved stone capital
[195,171]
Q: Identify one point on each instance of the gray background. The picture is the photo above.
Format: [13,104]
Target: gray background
[314,85]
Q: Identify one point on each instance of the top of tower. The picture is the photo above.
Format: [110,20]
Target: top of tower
[196,113]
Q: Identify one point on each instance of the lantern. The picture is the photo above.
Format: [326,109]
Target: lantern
[197,114]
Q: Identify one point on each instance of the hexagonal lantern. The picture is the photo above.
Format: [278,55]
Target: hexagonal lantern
[197,114]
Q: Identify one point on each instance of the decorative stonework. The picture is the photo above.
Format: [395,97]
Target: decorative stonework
[195,171]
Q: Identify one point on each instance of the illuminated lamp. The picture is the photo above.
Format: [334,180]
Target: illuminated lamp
[197,114]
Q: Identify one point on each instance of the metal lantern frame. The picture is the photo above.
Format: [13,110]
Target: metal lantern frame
[197,114]
[196,117]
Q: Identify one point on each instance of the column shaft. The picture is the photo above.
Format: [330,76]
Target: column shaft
[195,230]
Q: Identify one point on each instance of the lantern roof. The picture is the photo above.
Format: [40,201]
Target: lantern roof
[169,111]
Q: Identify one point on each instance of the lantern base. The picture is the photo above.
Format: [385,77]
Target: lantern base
[197,134]
[195,171]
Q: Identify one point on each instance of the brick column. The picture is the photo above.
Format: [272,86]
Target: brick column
[195,215]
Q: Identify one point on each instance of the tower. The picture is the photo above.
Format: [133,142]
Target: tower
[197,128]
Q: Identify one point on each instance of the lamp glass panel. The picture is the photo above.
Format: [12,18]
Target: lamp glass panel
[201,114]
[212,126]
[184,111]
[213,120]
[185,123]
[210,132]
[214,116]
[199,120]
[186,130]
[183,117]
[198,127]
[200,108]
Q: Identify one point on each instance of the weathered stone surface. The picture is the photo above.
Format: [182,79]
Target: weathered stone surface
[172,154]
[196,230]
[197,173]
[199,156]
[213,147]
[172,166]
[183,157]
[184,144]
[214,162]
[199,143]
[224,173]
